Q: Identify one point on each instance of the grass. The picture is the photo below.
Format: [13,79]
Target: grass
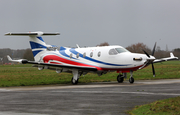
[25,75]
[163,107]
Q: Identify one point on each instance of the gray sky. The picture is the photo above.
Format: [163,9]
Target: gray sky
[91,22]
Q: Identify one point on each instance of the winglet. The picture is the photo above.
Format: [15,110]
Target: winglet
[77,46]
[172,55]
[9,58]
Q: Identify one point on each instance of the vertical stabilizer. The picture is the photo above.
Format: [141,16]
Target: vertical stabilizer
[38,46]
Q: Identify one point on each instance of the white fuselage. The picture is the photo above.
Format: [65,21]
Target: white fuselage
[104,58]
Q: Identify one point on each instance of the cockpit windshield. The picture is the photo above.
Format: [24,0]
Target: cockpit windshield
[121,50]
[115,51]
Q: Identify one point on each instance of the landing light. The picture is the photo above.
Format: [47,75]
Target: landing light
[137,59]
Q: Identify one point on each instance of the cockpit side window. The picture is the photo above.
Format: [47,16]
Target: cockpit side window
[112,52]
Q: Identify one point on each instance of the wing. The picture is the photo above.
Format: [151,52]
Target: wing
[52,66]
[172,57]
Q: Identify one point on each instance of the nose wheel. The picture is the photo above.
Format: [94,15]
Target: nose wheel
[131,79]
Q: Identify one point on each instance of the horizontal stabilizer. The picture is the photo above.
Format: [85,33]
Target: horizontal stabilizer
[31,34]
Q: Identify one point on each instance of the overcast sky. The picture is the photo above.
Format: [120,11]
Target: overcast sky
[91,22]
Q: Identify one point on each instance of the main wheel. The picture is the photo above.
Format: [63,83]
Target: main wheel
[120,79]
[131,80]
[73,81]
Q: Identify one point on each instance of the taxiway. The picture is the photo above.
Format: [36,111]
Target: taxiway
[106,98]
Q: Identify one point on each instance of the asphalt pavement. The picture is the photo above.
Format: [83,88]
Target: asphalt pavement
[106,98]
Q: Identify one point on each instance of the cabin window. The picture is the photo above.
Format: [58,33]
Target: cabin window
[99,54]
[112,52]
[71,55]
[84,55]
[51,48]
[77,55]
[91,54]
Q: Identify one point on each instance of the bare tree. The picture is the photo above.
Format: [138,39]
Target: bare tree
[28,55]
[103,44]
[137,48]
[177,52]
[161,53]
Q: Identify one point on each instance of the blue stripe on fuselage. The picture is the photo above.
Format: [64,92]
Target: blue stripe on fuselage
[94,60]
[62,52]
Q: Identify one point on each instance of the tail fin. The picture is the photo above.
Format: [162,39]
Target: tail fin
[9,58]
[37,44]
[172,55]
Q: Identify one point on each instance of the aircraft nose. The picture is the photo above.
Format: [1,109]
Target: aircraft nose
[152,58]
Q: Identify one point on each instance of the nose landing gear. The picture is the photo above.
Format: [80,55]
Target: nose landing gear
[131,79]
[120,77]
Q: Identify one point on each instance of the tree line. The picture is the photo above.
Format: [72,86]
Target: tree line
[134,48]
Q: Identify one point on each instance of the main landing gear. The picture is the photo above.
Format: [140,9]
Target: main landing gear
[73,81]
[120,77]
[75,77]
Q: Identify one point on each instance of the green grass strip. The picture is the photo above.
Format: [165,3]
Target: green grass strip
[25,75]
[163,107]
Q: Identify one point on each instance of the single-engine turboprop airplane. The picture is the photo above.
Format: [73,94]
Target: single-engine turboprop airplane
[80,61]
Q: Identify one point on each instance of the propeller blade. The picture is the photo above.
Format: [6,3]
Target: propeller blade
[150,62]
[154,49]
[146,53]
[153,70]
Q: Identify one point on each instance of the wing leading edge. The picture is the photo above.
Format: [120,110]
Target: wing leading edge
[24,61]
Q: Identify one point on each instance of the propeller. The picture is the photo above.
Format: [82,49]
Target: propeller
[151,62]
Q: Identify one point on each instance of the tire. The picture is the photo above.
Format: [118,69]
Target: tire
[131,80]
[73,81]
[120,79]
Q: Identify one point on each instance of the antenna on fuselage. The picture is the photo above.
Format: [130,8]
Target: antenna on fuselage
[77,46]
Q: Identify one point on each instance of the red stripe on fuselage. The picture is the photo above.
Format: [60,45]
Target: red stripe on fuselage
[60,59]
[63,60]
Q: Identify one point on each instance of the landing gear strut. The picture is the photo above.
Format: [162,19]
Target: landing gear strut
[75,77]
[131,79]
